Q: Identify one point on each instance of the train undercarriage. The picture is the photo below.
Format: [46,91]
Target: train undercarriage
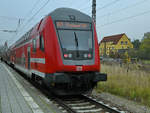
[73,83]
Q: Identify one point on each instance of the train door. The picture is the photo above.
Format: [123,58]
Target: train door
[28,51]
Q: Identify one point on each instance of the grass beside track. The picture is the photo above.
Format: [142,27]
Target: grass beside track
[146,62]
[131,83]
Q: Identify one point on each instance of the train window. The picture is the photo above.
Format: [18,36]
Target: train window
[71,40]
[41,42]
[34,45]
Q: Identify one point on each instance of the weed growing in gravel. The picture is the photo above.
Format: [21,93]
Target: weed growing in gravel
[130,83]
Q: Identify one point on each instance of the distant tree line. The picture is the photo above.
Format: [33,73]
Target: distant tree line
[141,48]
[3,48]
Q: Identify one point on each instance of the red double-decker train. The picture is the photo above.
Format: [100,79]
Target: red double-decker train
[61,51]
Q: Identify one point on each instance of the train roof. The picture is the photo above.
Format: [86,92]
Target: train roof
[68,14]
[63,14]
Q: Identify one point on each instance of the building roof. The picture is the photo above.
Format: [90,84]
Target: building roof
[113,38]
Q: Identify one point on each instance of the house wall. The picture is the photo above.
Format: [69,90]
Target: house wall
[123,43]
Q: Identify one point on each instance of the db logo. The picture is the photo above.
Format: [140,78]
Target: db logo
[79,68]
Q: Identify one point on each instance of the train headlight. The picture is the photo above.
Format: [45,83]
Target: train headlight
[89,55]
[65,55]
[70,55]
[85,55]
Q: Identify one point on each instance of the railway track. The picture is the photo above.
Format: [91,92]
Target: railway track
[85,104]
[77,104]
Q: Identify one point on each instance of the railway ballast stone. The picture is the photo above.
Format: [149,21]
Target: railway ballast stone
[129,105]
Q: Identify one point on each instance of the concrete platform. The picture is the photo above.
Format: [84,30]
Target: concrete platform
[13,97]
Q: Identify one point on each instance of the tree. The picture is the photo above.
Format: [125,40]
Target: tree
[145,46]
[136,44]
[134,53]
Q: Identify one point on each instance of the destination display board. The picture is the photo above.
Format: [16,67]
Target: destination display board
[73,25]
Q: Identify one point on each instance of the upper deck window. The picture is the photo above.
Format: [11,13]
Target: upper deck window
[41,42]
[34,45]
[73,25]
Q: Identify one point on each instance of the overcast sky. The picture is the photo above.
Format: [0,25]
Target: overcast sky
[113,16]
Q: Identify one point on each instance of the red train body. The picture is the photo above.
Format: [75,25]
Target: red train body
[61,51]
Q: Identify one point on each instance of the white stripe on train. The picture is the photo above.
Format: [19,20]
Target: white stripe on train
[38,60]
[29,72]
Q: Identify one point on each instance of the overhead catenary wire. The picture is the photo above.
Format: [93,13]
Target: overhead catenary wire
[84,2]
[34,6]
[107,5]
[29,20]
[19,20]
[124,19]
[35,14]
[31,17]
[11,18]
[103,7]
[80,5]
[124,8]
[87,5]
[18,25]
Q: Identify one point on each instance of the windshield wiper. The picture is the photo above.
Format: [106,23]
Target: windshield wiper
[77,44]
[76,39]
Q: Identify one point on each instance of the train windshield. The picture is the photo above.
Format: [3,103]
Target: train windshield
[75,35]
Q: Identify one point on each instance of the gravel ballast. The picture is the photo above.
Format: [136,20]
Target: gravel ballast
[131,106]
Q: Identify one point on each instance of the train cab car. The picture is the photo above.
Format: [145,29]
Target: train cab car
[62,52]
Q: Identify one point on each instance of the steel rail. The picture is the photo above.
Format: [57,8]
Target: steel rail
[102,105]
